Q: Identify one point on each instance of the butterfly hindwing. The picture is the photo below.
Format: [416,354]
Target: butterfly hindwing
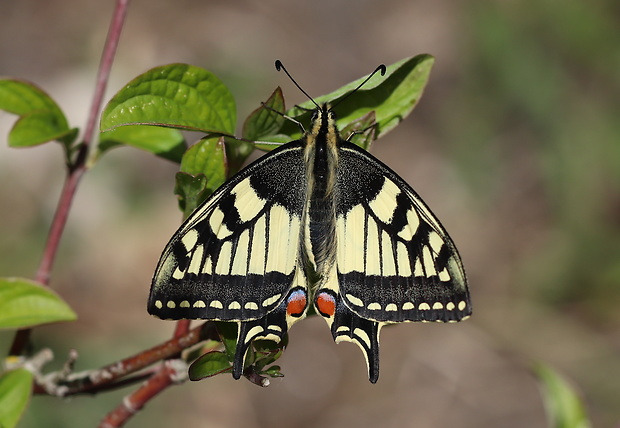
[346,325]
[275,324]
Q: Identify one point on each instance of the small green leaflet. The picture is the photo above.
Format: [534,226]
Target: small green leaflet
[15,392]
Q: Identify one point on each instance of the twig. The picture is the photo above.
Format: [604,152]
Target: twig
[107,59]
[171,372]
[77,167]
[181,328]
[109,377]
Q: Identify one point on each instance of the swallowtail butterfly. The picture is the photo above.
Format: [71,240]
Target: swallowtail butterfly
[316,222]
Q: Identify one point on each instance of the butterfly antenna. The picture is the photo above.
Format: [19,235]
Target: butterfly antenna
[279,67]
[381,69]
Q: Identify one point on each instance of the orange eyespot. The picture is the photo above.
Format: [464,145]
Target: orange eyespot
[296,303]
[326,304]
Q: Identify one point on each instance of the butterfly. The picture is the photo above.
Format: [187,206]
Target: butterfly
[316,225]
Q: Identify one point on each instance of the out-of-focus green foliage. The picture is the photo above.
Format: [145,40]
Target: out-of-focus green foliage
[564,407]
[541,91]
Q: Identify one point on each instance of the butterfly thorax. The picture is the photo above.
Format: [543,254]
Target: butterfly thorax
[321,158]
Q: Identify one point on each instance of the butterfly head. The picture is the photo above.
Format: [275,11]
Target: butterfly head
[323,122]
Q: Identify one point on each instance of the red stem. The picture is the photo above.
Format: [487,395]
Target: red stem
[181,328]
[166,376]
[135,401]
[107,59]
[78,167]
[58,225]
[99,379]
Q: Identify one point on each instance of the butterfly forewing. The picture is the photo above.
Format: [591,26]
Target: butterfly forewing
[395,261]
[235,257]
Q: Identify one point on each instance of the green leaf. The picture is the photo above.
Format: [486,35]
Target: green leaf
[15,392]
[176,95]
[228,334]
[164,142]
[25,303]
[237,152]
[207,158]
[203,170]
[264,121]
[260,124]
[266,352]
[392,96]
[564,407]
[273,371]
[210,364]
[260,354]
[363,130]
[41,120]
[191,190]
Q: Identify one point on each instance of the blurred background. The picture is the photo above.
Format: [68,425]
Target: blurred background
[515,146]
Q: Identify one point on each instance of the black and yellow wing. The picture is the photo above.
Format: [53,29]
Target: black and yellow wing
[236,256]
[394,260]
